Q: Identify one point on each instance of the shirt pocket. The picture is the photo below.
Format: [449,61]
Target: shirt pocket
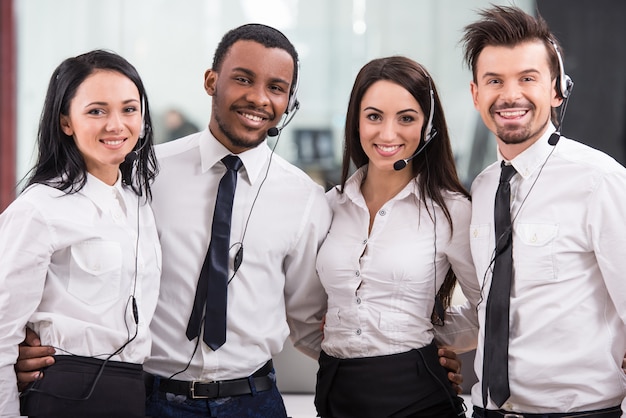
[95,271]
[533,251]
[481,247]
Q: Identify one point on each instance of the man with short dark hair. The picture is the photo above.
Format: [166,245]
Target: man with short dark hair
[554,310]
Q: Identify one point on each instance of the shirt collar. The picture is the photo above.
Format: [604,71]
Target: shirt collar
[531,159]
[353,186]
[105,197]
[254,159]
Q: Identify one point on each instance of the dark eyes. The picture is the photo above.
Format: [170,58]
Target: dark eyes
[273,87]
[498,81]
[403,118]
[99,111]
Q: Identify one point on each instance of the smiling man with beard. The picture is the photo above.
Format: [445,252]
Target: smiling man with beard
[564,307]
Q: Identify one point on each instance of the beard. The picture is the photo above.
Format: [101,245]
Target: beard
[512,133]
[233,138]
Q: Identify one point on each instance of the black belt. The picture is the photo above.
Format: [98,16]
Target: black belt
[216,389]
[614,412]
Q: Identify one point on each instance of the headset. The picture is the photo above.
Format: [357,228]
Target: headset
[292,106]
[429,133]
[564,82]
[134,155]
[564,86]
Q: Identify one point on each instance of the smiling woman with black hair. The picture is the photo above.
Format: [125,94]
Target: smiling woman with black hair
[81,260]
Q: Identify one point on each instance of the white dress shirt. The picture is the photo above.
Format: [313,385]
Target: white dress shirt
[68,269]
[381,285]
[568,297]
[275,290]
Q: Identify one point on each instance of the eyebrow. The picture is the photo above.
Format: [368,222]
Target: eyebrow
[527,71]
[127,101]
[397,113]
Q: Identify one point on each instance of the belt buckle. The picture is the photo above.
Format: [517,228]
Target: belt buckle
[507,415]
[192,389]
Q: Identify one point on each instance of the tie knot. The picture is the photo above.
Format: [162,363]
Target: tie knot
[232,162]
[508,171]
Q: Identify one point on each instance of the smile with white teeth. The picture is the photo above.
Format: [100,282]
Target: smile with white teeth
[512,114]
[388,148]
[116,142]
[252,117]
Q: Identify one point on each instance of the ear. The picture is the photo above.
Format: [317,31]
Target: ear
[210,80]
[556,99]
[474,91]
[66,126]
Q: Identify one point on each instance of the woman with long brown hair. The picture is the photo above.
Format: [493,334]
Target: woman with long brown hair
[398,240]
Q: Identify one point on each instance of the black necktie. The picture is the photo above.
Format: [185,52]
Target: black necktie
[495,361]
[213,281]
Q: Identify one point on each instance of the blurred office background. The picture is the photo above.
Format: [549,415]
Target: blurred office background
[172,43]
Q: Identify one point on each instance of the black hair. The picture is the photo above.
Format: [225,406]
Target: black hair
[262,34]
[60,164]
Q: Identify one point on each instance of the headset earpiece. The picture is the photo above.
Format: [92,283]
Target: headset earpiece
[430,131]
[142,133]
[294,104]
[564,82]
[566,85]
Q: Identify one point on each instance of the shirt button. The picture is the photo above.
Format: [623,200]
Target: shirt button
[364,241]
[96,267]
[357,273]
[382,212]
[358,301]
[358,331]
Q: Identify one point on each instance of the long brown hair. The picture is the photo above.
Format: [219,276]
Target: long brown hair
[434,179]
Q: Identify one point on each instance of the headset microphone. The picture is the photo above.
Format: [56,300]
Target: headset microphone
[430,131]
[134,155]
[289,114]
[400,164]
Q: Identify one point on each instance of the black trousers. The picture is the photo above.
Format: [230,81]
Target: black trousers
[614,412]
[411,384]
[77,386]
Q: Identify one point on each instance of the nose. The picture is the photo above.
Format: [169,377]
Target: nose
[388,130]
[510,92]
[114,123]
[257,95]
